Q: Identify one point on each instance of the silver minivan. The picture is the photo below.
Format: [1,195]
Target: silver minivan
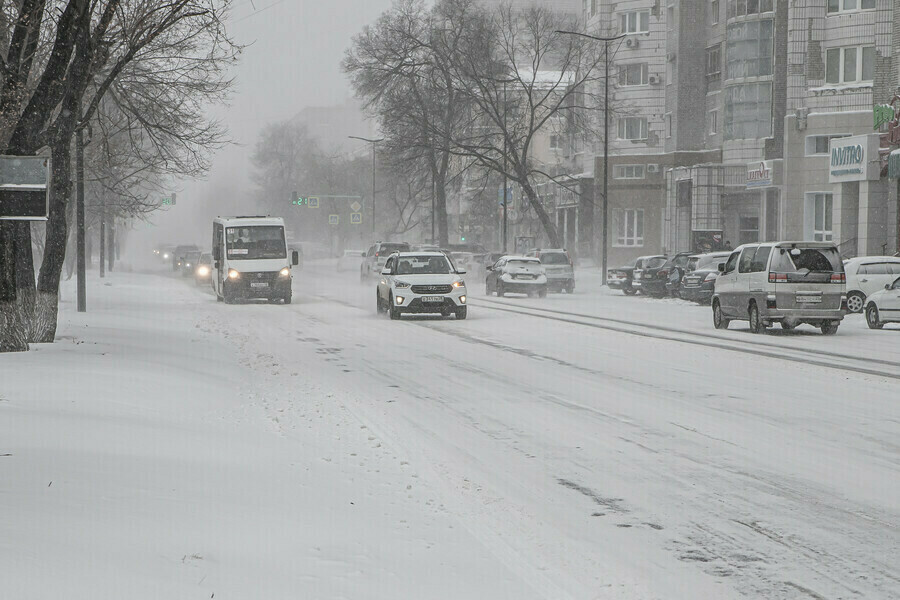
[785,282]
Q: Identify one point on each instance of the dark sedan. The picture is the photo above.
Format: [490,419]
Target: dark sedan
[621,278]
[647,279]
[699,282]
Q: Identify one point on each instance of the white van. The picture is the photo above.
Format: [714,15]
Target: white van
[784,282]
[867,275]
[250,259]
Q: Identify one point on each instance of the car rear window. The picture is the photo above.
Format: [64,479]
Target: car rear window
[388,249]
[810,265]
[524,263]
[707,261]
[654,263]
[554,258]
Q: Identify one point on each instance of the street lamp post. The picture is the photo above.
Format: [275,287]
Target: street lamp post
[373,142]
[606,42]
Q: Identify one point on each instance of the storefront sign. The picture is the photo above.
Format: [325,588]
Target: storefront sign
[760,174]
[849,158]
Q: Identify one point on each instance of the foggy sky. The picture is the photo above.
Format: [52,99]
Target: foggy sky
[293,61]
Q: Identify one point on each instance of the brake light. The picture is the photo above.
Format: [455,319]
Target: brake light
[663,273]
[776,277]
[377,253]
[838,278]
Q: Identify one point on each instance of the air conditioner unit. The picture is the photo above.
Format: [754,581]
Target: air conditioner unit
[653,168]
[652,79]
[632,42]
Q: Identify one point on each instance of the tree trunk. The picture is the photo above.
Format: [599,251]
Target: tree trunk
[13,334]
[111,245]
[440,206]
[46,311]
[534,201]
[25,286]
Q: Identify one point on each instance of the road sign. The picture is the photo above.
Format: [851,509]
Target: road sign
[356,218]
[356,206]
[314,203]
[24,188]
[334,219]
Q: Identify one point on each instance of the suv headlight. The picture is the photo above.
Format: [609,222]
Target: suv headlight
[401,285]
[459,284]
[284,272]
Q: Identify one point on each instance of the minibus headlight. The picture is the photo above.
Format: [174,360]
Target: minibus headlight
[284,272]
[232,274]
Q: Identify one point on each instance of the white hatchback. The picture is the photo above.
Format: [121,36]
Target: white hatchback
[867,275]
[883,306]
[421,282]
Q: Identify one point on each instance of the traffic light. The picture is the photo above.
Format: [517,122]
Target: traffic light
[174,196]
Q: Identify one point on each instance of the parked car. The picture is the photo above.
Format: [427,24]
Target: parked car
[883,306]
[620,278]
[516,274]
[350,260]
[641,266]
[203,269]
[867,275]
[699,280]
[673,271]
[421,282]
[559,268]
[189,263]
[374,259]
[785,282]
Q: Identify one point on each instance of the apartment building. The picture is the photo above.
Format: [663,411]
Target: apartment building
[729,116]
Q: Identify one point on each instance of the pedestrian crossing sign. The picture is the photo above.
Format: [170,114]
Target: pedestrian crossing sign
[334,219]
[356,218]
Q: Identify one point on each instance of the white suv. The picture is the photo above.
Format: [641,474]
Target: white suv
[421,282]
[376,256]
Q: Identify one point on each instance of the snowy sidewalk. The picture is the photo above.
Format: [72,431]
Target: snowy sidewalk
[142,457]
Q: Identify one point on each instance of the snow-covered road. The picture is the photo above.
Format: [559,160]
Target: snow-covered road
[520,453]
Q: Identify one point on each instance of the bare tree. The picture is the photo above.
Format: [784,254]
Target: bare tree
[522,79]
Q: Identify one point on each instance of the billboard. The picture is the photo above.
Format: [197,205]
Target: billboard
[24,187]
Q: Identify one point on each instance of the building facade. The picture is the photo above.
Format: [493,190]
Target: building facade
[729,116]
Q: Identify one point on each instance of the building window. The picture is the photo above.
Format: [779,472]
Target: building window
[636,74]
[851,64]
[668,120]
[818,144]
[839,6]
[593,7]
[714,12]
[670,17]
[750,49]
[820,209]
[748,111]
[742,8]
[636,21]
[628,172]
[714,61]
[633,128]
[554,142]
[629,227]
[713,122]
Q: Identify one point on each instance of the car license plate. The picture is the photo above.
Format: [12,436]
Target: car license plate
[432,299]
[809,299]
[259,284]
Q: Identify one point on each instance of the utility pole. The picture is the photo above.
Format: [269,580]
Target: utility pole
[102,236]
[373,142]
[505,191]
[605,236]
[79,218]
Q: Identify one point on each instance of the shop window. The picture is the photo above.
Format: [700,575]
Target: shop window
[632,128]
[629,227]
[748,229]
[821,209]
[714,61]
[631,75]
[628,172]
[635,21]
[750,48]
[851,64]
[841,6]
[748,111]
[818,144]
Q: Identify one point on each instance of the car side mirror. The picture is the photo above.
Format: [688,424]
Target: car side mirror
[489,268]
[385,271]
[887,286]
[295,258]
[217,266]
[363,254]
[721,267]
[217,253]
